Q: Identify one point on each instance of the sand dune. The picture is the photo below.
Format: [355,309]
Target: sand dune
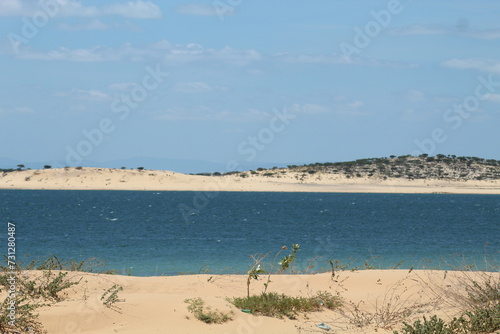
[282,180]
[156,304]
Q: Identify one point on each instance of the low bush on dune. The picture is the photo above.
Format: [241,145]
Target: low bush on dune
[279,305]
[479,294]
[26,292]
[25,295]
[205,313]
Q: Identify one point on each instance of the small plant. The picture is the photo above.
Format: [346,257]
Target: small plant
[110,297]
[482,320]
[434,325]
[396,305]
[328,300]
[279,305]
[255,270]
[48,287]
[25,317]
[486,320]
[287,260]
[53,286]
[31,294]
[197,307]
[284,263]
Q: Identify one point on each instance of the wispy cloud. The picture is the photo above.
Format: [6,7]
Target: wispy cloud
[95,24]
[419,29]
[161,51]
[205,113]
[415,96]
[197,9]
[87,95]
[495,98]
[132,9]
[483,65]
[309,109]
[338,59]
[343,107]
[196,87]
[484,34]
[135,9]
[435,29]
[17,110]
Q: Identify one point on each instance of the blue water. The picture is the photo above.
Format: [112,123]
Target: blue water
[146,233]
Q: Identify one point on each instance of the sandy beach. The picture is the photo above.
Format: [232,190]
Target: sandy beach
[282,181]
[374,301]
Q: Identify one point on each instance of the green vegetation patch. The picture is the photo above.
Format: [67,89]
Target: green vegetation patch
[280,305]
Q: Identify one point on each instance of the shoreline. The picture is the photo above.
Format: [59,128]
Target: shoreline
[284,181]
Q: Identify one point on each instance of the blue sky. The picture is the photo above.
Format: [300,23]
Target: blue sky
[242,82]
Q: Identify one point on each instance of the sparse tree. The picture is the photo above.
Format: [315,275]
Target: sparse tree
[47,167]
[140,168]
[20,167]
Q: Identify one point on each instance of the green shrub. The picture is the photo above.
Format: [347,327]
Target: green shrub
[434,325]
[110,297]
[197,307]
[279,305]
[485,320]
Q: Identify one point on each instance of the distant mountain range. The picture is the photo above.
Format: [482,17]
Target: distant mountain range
[186,166]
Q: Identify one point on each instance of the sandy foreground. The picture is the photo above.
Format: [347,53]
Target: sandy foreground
[283,181]
[376,300]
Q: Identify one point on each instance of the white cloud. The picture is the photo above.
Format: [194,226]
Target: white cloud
[95,24]
[204,113]
[18,110]
[90,25]
[133,9]
[94,54]
[197,9]
[433,29]
[24,110]
[484,65]
[415,95]
[159,51]
[309,109]
[419,29]
[196,87]
[343,108]
[484,34]
[90,95]
[122,86]
[337,59]
[495,98]
[12,8]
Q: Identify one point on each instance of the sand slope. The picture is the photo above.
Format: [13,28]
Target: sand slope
[283,180]
[156,304]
